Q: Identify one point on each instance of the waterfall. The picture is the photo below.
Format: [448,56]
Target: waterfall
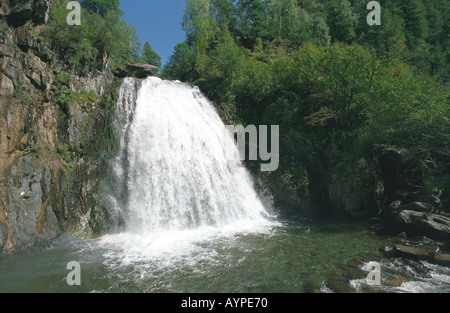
[171,167]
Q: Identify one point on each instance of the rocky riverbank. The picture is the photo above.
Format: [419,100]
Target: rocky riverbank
[406,265]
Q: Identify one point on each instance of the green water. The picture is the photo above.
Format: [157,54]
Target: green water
[292,257]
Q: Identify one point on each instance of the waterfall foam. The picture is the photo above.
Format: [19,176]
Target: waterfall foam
[177,181]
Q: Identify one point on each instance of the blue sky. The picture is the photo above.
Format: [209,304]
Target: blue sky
[156,21]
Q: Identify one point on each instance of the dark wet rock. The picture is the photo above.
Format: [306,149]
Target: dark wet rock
[443,259]
[278,190]
[418,207]
[340,286]
[394,205]
[434,226]
[422,198]
[402,235]
[420,253]
[354,263]
[358,192]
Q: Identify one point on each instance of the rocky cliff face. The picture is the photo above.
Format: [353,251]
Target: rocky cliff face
[53,139]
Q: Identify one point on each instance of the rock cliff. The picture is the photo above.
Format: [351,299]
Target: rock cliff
[54,136]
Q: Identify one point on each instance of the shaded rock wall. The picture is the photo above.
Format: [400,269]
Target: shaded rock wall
[53,153]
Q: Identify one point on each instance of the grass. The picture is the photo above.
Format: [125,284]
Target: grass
[71,97]
[37,149]
[23,97]
[68,167]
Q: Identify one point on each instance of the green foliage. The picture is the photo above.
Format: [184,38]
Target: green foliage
[38,150]
[102,36]
[100,7]
[68,167]
[26,196]
[24,96]
[341,20]
[199,25]
[149,56]
[181,64]
[69,97]
[64,79]
[340,90]
[64,151]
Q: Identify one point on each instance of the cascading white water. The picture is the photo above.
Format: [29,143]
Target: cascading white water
[175,171]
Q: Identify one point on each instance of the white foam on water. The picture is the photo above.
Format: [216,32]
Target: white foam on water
[182,190]
[436,280]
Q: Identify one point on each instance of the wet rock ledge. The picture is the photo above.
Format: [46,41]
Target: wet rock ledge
[136,70]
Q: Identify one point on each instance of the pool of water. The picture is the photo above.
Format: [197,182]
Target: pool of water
[279,257]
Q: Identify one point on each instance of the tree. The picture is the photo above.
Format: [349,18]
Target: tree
[341,20]
[101,7]
[252,21]
[181,64]
[199,25]
[103,38]
[150,56]
[223,14]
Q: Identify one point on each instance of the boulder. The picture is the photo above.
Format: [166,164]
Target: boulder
[137,70]
[423,198]
[422,223]
[354,263]
[420,253]
[443,259]
[417,206]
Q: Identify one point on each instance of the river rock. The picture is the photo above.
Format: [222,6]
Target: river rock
[417,206]
[423,198]
[443,259]
[421,253]
[340,286]
[422,223]
[354,263]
